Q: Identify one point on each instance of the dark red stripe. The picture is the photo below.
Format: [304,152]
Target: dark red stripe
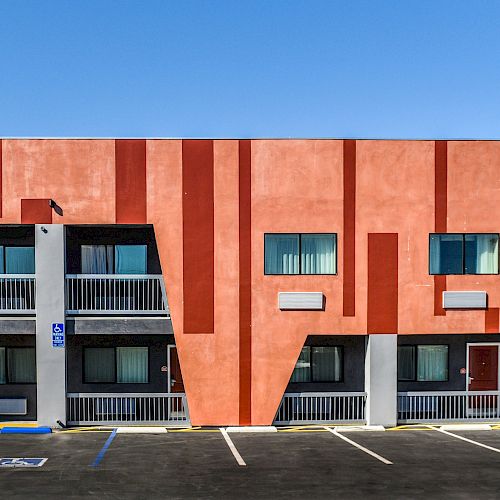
[440,213]
[349,282]
[36,211]
[198,235]
[491,320]
[130,165]
[382,283]
[245,271]
[1,176]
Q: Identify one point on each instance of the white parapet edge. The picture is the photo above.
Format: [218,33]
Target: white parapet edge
[465,427]
[252,428]
[141,430]
[356,428]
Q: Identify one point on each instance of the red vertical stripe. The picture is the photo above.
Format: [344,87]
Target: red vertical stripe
[382,283]
[349,281]
[491,320]
[198,235]
[130,164]
[440,213]
[245,276]
[36,211]
[1,177]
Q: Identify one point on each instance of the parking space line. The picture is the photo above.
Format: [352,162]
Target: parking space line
[362,448]
[477,443]
[233,449]
[100,456]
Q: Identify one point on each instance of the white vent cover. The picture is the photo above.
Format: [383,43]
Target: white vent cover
[309,301]
[464,300]
[13,406]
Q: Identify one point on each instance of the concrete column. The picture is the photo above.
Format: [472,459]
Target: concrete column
[381,379]
[50,308]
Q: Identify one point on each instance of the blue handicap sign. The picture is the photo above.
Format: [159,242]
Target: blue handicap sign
[57,334]
[22,462]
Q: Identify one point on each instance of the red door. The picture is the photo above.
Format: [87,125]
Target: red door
[483,368]
[176,383]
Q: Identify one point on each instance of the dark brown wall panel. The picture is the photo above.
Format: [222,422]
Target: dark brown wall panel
[382,283]
[130,162]
[349,281]
[440,213]
[491,320]
[36,211]
[198,235]
[1,176]
[245,277]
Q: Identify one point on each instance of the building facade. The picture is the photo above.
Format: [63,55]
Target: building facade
[246,282]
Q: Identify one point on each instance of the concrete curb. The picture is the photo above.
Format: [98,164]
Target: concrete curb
[255,428]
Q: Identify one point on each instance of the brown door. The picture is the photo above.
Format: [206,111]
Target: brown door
[176,384]
[483,368]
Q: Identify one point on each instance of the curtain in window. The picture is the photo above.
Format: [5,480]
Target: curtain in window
[326,364]
[406,362]
[99,365]
[130,259]
[302,370]
[432,363]
[20,260]
[97,259]
[132,365]
[486,261]
[2,366]
[318,254]
[21,365]
[446,254]
[2,268]
[281,254]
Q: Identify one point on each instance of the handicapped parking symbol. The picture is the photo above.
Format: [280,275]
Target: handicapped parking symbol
[22,462]
[57,328]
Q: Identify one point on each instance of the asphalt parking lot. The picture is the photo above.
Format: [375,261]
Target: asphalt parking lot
[313,463]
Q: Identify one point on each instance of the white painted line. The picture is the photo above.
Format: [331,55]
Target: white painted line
[141,430]
[465,439]
[233,449]
[357,428]
[362,448]
[466,427]
[253,428]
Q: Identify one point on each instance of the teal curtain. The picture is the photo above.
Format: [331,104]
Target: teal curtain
[20,260]
[327,364]
[432,363]
[2,366]
[406,362]
[318,254]
[21,365]
[99,365]
[302,370]
[132,365]
[281,254]
[130,259]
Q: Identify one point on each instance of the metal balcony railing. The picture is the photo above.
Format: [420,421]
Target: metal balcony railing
[116,294]
[321,407]
[116,409]
[17,294]
[448,406]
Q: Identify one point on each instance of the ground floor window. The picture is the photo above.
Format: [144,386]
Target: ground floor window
[319,364]
[121,365]
[423,363]
[17,365]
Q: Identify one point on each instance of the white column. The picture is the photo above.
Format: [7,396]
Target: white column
[50,360]
[381,379]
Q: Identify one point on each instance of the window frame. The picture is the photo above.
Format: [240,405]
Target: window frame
[4,259]
[6,359]
[300,273]
[463,273]
[115,380]
[415,370]
[114,245]
[311,356]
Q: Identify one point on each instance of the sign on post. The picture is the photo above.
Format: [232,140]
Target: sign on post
[57,334]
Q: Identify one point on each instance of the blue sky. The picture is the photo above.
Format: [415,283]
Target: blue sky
[253,68]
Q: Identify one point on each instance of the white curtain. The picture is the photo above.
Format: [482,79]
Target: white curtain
[99,365]
[302,370]
[131,259]
[20,260]
[21,365]
[97,259]
[432,363]
[318,254]
[406,362]
[326,364]
[281,254]
[486,253]
[2,366]
[132,365]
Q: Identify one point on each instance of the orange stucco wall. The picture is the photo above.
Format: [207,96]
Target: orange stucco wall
[297,186]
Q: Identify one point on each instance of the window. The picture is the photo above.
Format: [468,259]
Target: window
[17,260]
[114,259]
[17,365]
[121,365]
[319,364]
[300,254]
[430,361]
[463,254]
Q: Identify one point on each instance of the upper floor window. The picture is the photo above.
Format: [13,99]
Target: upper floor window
[463,253]
[114,259]
[17,260]
[300,254]
[319,364]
